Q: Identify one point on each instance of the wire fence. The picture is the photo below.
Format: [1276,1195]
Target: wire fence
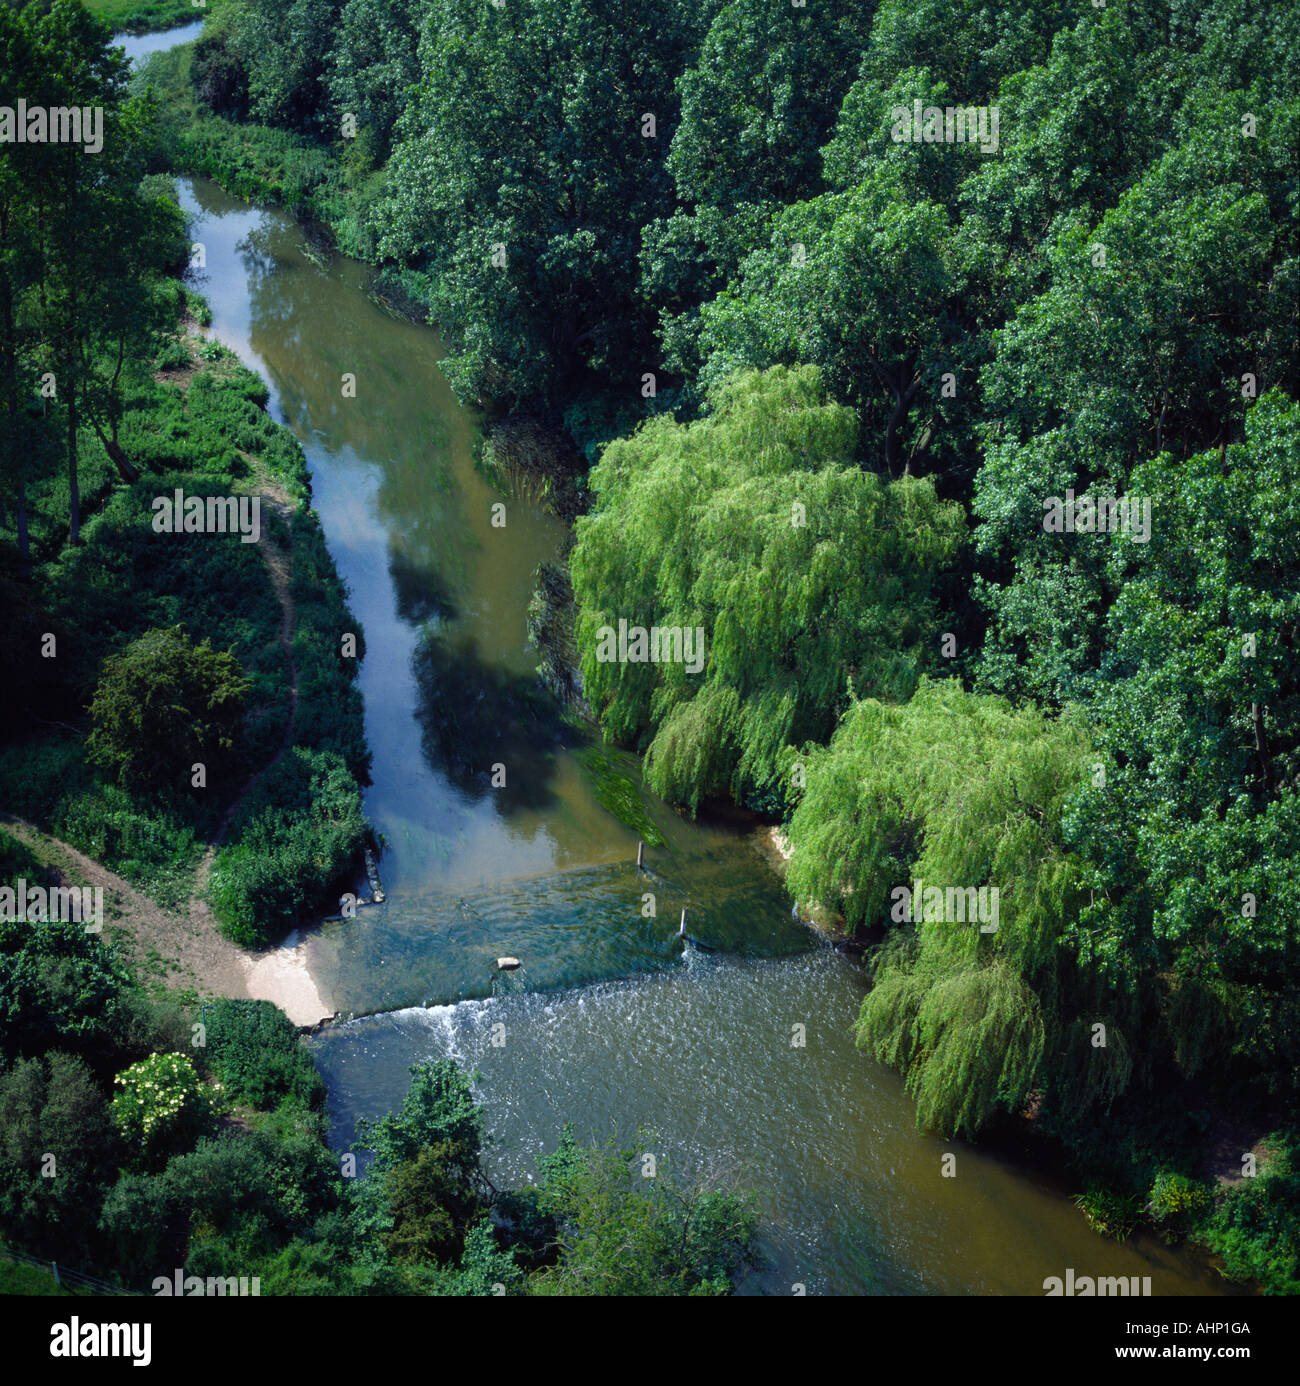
[65,1276]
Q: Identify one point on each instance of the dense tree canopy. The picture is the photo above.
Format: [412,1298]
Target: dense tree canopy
[79,232]
[530,155]
[825,347]
[1191,833]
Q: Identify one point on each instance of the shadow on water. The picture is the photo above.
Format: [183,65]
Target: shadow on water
[696,1046]
[421,595]
[488,730]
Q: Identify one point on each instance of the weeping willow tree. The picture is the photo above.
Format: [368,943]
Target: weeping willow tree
[951,787]
[958,791]
[807,575]
[966,1039]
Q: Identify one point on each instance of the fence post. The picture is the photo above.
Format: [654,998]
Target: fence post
[54,1266]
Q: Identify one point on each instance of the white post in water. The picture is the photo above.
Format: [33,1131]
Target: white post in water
[640,855]
[681,932]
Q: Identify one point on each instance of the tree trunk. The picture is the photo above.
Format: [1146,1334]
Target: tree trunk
[126,469]
[903,398]
[1261,747]
[74,494]
[24,545]
[11,404]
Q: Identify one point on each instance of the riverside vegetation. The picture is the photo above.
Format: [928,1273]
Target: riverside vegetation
[144,655]
[186,1134]
[197,1140]
[829,383]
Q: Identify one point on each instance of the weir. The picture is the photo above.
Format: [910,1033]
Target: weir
[428,947]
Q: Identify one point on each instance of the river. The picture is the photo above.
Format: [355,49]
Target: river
[138,47]
[612,1023]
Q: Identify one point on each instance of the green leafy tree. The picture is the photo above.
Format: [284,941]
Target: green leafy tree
[1116,362]
[757,103]
[805,573]
[163,704]
[485,1268]
[60,987]
[79,199]
[965,44]
[868,284]
[149,233]
[1192,830]
[19,270]
[138,1220]
[256,1051]
[57,1149]
[432,1200]
[438,1109]
[374,62]
[246,1196]
[519,185]
[284,49]
[621,1233]
[960,792]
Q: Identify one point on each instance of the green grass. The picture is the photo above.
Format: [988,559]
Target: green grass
[17,860]
[142,16]
[122,580]
[18,1279]
[260,163]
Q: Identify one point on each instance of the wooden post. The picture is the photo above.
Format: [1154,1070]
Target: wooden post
[681,933]
[640,856]
[54,1265]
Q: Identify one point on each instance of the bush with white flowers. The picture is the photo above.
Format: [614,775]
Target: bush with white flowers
[159,1100]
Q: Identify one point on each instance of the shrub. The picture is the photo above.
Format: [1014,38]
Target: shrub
[254,1049]
[1175,1198]
[620,1233]
[162,694]
[1108,1213]
[1256,1225]
[298,837]
[60,987]
[174,356]
[51,1105]
[163,1105]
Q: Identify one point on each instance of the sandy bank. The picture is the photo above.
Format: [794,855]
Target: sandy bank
[282,975]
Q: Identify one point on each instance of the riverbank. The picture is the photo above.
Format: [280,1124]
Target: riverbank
[198,874]
[328,188]
[150,16]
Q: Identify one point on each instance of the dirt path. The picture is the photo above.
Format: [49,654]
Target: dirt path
[1228,1142]
[273,974]
[195,954]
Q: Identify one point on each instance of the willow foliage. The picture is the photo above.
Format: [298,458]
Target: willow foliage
[968,1040]
[807,575]
[981,1036]
[959,790]
[952,787]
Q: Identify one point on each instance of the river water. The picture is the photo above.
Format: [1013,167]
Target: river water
[612,1022]
[139,46]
